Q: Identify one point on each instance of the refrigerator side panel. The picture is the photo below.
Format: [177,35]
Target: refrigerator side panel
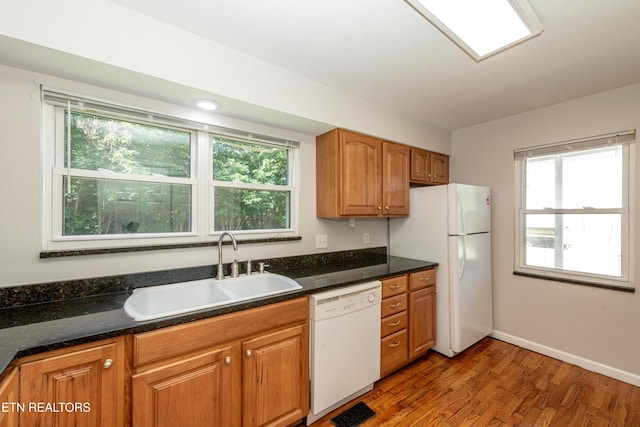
[471,291]
[469,209]
[423,236]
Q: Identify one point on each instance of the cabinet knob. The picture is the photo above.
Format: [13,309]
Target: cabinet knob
[379,208]
[249,353]
[386,207]
[227,360]
[107,363]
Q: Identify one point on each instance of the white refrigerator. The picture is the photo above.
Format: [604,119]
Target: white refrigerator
[451,225]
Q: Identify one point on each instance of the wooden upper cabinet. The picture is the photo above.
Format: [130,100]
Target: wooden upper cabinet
[428,167]
[360,176]
[395,180]
[439,168]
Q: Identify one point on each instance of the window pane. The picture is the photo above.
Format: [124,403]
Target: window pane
[100,143]
[590,178]
[238,209]
[236,161]
[102,206]
[581,243]
[593,178]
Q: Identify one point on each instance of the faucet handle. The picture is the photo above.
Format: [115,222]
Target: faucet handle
[234,268]
[262,266]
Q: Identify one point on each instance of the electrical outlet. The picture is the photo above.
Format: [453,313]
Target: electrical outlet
[366,238]
[321,241]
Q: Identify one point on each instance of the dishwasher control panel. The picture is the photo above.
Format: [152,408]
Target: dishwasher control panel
[338,302]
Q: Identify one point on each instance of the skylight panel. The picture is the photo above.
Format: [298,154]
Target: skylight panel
[481,27]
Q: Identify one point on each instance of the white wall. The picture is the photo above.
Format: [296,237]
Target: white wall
[596,328]
[21,195]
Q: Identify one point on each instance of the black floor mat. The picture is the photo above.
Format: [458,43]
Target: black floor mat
[353,416]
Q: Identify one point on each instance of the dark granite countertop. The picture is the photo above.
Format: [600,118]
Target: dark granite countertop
[34,328]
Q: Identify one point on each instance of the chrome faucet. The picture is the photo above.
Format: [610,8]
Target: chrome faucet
[234,271]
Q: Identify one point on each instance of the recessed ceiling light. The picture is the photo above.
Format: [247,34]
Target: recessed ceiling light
[481,28]
[207,104]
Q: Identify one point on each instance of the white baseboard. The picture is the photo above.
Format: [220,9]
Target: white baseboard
[587,364]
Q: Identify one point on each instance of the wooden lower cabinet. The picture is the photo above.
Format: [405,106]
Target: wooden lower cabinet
[249,368]
[81,386]
[422,335]
[9,399]
[275,378]
[407,319]
[195,391]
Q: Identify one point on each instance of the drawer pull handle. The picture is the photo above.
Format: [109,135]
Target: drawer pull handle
[227,360]
[425,278]
[398,304]
[395,344]
[394,287]
[107,363]
[396,323]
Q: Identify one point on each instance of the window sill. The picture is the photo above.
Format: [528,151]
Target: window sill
[575,282]
[80,252]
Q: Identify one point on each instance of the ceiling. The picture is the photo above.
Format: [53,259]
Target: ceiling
[384,52]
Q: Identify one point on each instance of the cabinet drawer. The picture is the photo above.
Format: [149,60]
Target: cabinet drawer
[393,323]
[393,305]
[394,286]
[422,279]
[393,352]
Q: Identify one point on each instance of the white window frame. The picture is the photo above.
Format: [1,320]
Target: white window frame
[293,149]
[625,139]
[54,170]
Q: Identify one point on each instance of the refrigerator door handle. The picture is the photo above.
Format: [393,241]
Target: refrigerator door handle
[463,260]
[462,212]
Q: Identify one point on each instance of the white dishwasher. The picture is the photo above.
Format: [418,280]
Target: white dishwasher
[345,345]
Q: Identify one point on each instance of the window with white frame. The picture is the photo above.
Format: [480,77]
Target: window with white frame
[573,210]
[119,176]
[252,184]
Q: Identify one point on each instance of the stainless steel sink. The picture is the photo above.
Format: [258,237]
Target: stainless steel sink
[168,300]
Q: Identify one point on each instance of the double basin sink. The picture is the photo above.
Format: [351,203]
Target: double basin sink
[178,298]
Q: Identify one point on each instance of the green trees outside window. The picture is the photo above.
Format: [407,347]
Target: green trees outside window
[123,184]
[251,185]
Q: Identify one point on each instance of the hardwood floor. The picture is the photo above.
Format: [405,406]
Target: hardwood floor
[498,384]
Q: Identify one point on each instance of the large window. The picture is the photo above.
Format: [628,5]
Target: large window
[573,210]
[116,176]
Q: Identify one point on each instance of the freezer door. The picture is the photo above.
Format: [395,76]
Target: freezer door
[469,209]
[471,300]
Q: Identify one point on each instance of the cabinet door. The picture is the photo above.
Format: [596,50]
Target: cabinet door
[439,168]
[361,175]
[192,392]
[81,387]
[275,378]
[396,161]
[9,397]
[420,165]
[422,320]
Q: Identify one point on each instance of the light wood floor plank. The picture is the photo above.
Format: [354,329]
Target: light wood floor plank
[495,383]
